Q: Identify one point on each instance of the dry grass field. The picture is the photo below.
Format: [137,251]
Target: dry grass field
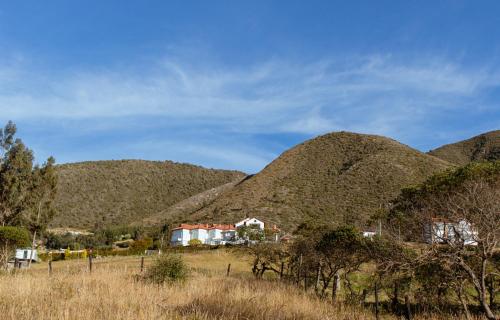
[111,292]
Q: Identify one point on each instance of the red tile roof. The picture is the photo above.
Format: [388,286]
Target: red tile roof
[205,226]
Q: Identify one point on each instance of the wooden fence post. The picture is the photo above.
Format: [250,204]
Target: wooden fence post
[395,298]
[90,263]
[335,287]
[142,264]
[50,267]
[408,309]
[363,297]
[228,270]
[299,269]
[377,315]
[318,273]
[305,280]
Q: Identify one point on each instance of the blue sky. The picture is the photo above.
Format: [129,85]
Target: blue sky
[232,84]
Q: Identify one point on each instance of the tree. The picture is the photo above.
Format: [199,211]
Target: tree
[10,238]
[342,249]
[15,182]
[41,201]
[26,191]
[252,232]
[268,257]
[467,203]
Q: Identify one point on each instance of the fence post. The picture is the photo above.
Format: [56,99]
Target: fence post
[228,270]
[142,264]
[305,280]
[377,316]
[408,309]
[363,297]
[335,287]
[395,299]
[318,273]
[299,269]
[50,267]
[90,263]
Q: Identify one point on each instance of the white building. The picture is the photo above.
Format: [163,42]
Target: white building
[25,255]
[211,234]
[250,222]
[369,234]
[442,231]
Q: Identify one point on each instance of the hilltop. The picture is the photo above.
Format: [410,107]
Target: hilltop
[485,146]
[335,178]
[105,193]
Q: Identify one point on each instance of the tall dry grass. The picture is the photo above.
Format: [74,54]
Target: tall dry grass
[110,292]
[114,294]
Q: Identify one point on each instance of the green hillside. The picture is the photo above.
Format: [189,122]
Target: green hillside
[336,178]
[482,147]
[105,193]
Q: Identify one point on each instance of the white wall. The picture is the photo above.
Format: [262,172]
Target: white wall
[180,237]
[200,234]
[250,221]
[25,254]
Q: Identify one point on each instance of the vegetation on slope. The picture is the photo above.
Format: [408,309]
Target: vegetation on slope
[105,193]
[190,204]
[338,178]
[483,147]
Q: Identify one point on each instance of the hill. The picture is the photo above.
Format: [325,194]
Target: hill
[336,178]
[189,205]
[104,193]
[482,147]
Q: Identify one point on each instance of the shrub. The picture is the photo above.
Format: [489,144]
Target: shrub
[168,268]
[195,242]
[10,238]
[139,246]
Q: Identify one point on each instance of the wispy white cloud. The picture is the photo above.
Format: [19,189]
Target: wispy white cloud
[375,94]
[273,96]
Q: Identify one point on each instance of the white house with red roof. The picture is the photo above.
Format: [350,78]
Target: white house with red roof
[211,234]
[250,222]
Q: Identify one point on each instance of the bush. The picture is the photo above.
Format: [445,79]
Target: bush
[10,239]
[168,268]
[195,242]
[139,246]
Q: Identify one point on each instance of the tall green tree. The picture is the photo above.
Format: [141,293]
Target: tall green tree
[16,173]
[27,191]
[42,192]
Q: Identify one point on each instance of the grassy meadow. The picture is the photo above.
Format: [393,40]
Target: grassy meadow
[111,291]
